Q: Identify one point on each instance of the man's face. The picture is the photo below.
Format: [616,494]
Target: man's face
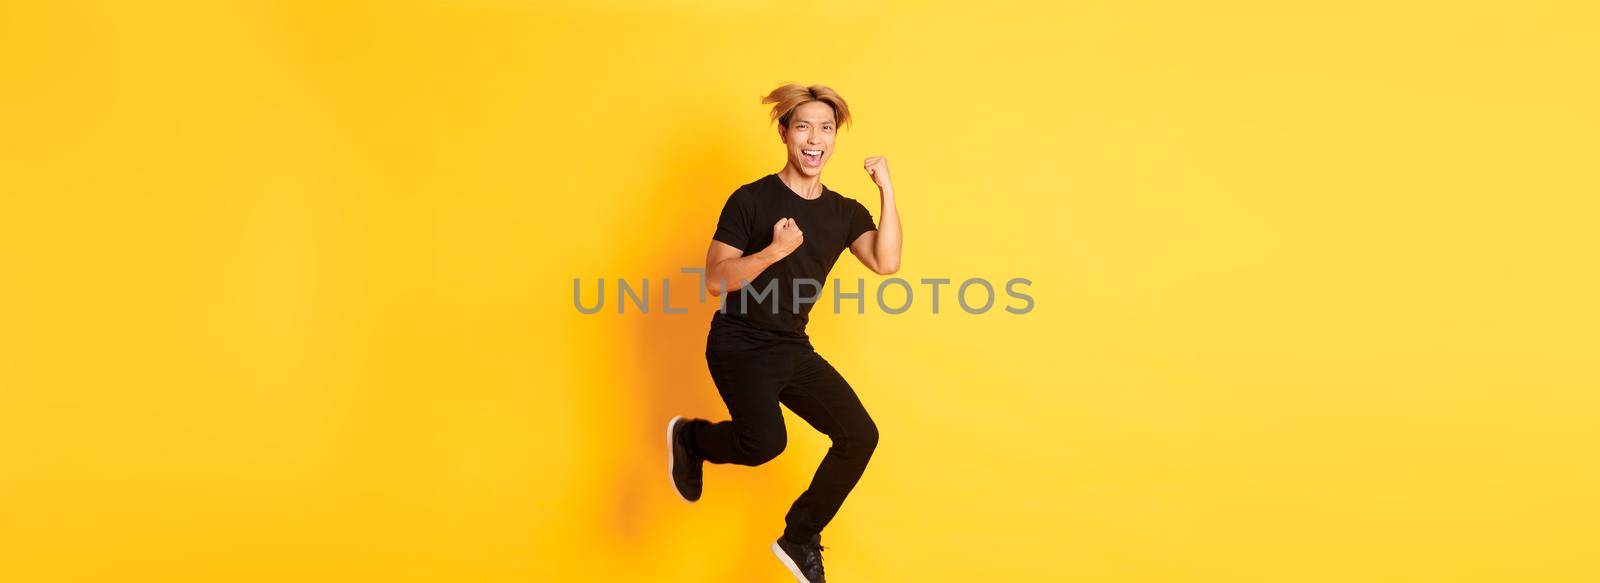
[809,137]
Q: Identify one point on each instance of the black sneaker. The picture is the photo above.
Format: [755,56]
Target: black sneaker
[682,466]
[804,560]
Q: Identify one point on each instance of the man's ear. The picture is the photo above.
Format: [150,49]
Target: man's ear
[783,134]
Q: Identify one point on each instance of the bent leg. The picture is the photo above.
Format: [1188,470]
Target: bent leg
[821,396]
[749,382]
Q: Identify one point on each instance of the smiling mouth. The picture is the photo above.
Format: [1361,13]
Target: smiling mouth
[812,157]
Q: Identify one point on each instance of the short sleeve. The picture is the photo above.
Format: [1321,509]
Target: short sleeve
[733,227]
[860,222]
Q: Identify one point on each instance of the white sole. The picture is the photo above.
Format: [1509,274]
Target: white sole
[672,460]
[788,563]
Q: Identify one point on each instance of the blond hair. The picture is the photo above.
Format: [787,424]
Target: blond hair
[789,96]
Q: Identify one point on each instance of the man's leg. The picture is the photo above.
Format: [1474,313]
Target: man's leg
[749,382]
[818,394]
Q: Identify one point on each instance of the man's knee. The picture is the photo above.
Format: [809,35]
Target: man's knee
[869,438]
[862,439]
[763,450]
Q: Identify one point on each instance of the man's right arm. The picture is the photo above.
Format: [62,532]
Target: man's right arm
[724,263]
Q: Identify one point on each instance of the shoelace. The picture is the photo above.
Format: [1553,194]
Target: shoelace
[814,558]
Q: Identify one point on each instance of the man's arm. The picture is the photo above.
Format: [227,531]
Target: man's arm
[724,264]
[880,250]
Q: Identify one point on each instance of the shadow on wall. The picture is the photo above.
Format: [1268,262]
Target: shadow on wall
[669,355]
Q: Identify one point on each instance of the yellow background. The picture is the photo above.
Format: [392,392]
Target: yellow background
[286,289]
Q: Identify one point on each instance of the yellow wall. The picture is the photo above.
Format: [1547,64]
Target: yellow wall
[285,289]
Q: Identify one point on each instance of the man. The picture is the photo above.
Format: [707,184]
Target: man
[777,239]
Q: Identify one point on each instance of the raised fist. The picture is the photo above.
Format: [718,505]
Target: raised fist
[786,237]
[878,168]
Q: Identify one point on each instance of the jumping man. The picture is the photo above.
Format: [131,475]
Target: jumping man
[777,239]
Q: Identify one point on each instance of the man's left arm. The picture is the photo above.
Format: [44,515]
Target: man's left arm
[880,250]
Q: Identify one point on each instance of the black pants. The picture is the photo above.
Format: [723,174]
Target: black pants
[752,384]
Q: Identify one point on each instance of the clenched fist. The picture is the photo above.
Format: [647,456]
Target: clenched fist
[878,168]
[786,237]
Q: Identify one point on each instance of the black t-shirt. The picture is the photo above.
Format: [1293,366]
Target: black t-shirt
[829,224]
